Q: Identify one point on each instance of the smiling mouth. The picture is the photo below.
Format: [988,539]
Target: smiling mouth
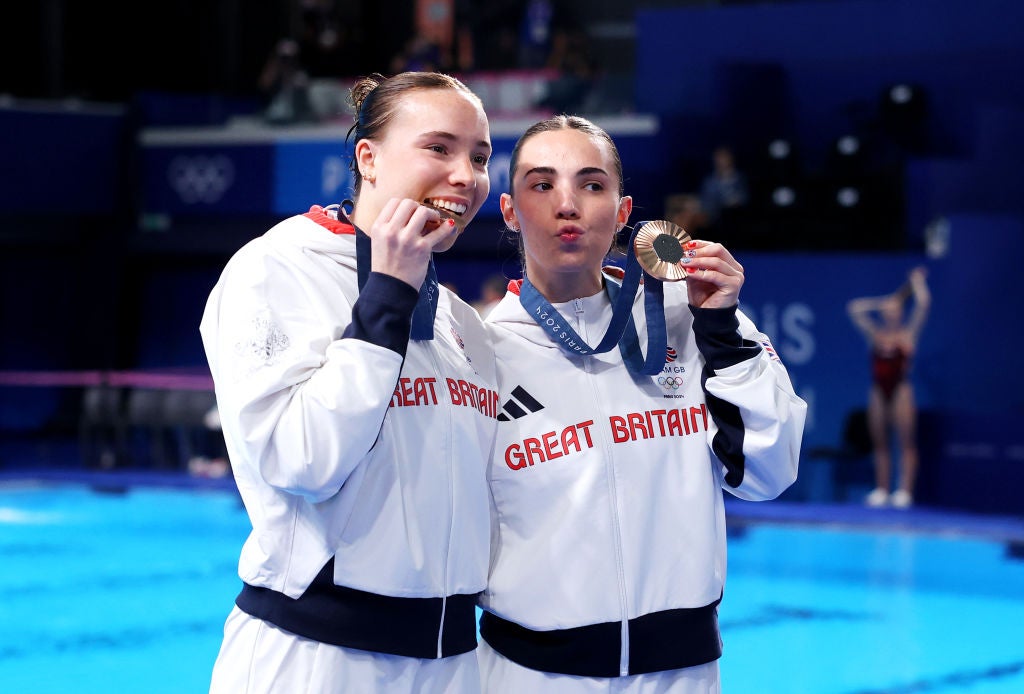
[446,208]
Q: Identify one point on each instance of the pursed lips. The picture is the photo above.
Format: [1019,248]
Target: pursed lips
[569,232]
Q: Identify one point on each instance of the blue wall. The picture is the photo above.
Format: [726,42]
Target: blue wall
[835,55]
[814,71]
[67,161]
[967,373]
[968,358]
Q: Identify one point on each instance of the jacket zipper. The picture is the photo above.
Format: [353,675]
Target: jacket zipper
[613,496]
[451,504]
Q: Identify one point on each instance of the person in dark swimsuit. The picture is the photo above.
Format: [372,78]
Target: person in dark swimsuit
[891,405]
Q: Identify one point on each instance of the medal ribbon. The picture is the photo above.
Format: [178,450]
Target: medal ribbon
[621,330]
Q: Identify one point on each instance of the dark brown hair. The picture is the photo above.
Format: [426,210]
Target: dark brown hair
[374,100]
[564,122]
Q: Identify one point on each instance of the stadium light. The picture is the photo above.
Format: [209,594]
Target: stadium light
[848,145]
[783,196]
[779,149]
[848,196]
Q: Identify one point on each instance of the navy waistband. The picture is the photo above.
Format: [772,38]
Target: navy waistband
[341,616]
[658,641]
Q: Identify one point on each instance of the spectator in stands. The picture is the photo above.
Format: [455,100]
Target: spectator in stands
[575,73]
[419,54]
[684,210]
[541,31]
[285,85]
[357,401]
[607,477]
[891,405]
[328,44]
[725,188]
[491,30]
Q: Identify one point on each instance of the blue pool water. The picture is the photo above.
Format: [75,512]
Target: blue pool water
[114,592]
[842,612]
[127,592]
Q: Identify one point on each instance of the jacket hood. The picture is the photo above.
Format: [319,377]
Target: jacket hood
[317,231]
[510,315]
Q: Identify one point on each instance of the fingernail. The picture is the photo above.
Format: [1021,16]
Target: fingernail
[686,260]
[691,244]
[691,254]
[690,270]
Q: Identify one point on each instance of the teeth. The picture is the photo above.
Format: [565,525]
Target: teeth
[445,205]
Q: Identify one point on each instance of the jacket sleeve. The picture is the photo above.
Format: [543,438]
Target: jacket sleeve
[303,382]
[757,420]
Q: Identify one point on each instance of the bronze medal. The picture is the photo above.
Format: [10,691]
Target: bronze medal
[659,248]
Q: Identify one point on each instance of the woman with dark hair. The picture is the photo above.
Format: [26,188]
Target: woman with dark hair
[357,402]
[608,520]
[891,405]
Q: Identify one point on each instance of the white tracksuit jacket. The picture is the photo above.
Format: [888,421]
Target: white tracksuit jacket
[359,453]
[608,553]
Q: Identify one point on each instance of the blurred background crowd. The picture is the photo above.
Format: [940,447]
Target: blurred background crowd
[832,145]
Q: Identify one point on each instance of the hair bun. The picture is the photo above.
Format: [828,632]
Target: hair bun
[362,88]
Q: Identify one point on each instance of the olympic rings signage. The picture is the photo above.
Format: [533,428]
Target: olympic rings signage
[200,178]
[673,382]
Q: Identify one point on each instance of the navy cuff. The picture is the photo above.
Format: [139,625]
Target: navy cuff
[382,315]
[717,332]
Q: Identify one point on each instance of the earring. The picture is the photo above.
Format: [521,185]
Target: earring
[514,228]
[369,178]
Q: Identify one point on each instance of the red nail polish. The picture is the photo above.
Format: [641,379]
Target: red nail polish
[691,270]
[691,244]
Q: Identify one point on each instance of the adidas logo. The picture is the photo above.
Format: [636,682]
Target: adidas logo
[519,405]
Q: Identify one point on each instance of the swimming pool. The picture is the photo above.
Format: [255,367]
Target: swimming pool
[114,592]
[841,612]
[127,590]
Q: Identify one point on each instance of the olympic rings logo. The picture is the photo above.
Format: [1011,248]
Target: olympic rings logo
[673,382]
[201,178]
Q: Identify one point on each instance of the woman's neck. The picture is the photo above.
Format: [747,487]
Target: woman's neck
[363,217]
[558,288]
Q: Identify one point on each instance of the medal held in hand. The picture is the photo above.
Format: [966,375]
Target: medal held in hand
[659,248]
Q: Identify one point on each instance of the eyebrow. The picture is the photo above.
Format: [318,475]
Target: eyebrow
[444,135]
[550,171]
